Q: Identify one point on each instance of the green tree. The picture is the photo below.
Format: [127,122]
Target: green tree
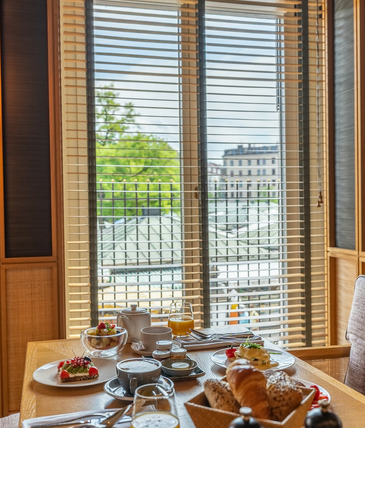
[134,170]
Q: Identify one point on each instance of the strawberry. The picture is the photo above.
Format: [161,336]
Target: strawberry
[60,365]
[101,325]
[93,371]
[112,326]
[64,374]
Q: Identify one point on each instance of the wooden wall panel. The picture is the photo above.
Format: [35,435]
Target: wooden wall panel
[343,273]
[29,308]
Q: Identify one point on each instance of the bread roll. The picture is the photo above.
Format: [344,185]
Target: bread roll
[220,396]
[248,386]
[284,395]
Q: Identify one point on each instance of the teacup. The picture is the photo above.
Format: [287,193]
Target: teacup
[152,334]
[135,372]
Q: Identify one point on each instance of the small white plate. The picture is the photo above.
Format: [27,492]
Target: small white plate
[137,347]
[47,374]
[284,359]
[113,388]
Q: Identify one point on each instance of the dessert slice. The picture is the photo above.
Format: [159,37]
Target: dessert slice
[77,369]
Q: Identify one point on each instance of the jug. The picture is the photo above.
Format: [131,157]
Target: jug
[133,320]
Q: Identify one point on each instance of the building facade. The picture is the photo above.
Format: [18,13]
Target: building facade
[248,169]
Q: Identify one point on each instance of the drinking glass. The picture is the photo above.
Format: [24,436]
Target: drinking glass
[154,406]
[181,319]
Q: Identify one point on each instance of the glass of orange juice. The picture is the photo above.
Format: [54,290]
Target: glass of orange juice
[181,319]
[154,406]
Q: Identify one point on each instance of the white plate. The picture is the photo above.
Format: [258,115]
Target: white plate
[284,359]
[139,348]
[47,374]
[114,389]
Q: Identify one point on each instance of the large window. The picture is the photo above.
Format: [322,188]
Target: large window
[153,92]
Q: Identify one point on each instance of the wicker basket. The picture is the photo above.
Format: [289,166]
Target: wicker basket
[204,416]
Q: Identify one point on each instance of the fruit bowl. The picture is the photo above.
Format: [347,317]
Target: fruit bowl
[106,344]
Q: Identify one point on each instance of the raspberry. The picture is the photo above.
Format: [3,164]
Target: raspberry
[102,325]
[60,365]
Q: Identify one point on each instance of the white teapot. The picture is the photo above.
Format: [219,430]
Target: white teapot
[133,320]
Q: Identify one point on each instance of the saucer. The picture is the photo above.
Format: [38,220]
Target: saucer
[137,347]
[113,388]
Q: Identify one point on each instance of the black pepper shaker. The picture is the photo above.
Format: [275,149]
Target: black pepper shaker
[322,417]
[245,420]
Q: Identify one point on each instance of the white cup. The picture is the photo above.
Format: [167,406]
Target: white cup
[151,334]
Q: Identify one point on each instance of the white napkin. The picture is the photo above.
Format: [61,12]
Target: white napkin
[191,343]
[52,419]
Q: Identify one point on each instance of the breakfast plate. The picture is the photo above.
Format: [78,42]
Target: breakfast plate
[47,374]
[137,347]
[113,388]
[308,384]
[284,359]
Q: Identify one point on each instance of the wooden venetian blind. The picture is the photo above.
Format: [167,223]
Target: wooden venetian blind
[194,147]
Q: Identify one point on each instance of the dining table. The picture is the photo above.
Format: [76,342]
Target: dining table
[40,400]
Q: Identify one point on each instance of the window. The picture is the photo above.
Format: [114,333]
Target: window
[264,162]
[273,161]
[264,171]
[273,171]
[133,172]
[240,173]
[249,172]
[248,162]
[258,162]
[232,173]
[258,172]
[239,162]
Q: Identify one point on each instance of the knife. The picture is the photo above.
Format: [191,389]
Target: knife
[107,422]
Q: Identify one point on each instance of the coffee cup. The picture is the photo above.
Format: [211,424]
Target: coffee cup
[135,372]
[150,335]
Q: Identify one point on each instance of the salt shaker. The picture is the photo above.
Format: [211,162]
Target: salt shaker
[322,417]
[245,420]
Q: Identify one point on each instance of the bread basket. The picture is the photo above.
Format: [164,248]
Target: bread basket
[204,416]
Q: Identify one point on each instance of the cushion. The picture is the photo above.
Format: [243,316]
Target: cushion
[355,334]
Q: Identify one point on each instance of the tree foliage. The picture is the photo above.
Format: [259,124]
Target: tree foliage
[135,171]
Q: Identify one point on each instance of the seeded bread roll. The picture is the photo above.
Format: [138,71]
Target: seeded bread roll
[283,393]
[220,396]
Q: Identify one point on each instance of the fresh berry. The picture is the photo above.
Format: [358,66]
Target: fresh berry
[112,326]
[93,371]
[101,325]
[64,374]
[230,352]
[60,365]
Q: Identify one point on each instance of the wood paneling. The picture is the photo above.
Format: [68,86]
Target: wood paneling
[29,313]
[343,273]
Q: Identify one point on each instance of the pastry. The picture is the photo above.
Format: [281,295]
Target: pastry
[220,396]
[283,393]
[77,369]
[248,386]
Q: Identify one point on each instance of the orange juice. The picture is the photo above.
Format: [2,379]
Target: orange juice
[159,420]
[180,324]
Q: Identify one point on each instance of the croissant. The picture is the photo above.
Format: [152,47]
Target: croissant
[248,386]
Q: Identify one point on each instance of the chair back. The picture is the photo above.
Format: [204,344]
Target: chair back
[355,335]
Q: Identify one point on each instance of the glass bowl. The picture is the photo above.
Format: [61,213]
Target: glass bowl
[104,346]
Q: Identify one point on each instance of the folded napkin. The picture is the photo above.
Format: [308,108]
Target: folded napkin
[54,419]
[191,343]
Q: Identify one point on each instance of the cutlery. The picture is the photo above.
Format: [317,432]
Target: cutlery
[221,335]
[94,422]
